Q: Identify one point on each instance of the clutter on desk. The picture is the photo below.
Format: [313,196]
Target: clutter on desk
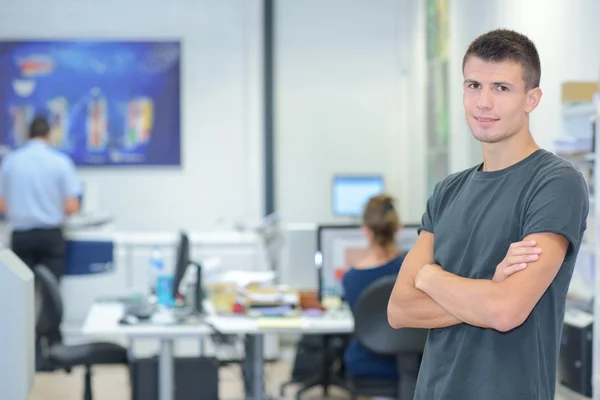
[223,296]
[332,303]
[309,300]
[271,301]
[262,300]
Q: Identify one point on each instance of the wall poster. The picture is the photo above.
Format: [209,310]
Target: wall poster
[107,102]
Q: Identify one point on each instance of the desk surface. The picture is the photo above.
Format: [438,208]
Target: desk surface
[103,320]
[341,322]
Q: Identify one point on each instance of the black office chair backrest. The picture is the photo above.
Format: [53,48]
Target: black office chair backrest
[48,299]
[371,326]
[372,329]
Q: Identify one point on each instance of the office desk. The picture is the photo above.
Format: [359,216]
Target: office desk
[91,273]
[338,322]
[103,320]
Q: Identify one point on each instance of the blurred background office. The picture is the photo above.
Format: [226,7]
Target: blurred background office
[259,129]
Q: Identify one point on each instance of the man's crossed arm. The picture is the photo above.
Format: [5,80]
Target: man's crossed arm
[426,296]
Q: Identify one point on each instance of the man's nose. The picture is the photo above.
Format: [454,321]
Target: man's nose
[485,101]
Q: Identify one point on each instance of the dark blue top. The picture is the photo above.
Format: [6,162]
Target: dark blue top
[360,362]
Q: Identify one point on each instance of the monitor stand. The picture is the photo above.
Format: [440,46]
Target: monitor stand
[195,311]
[198,307]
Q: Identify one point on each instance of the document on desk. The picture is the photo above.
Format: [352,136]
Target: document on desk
[241,325]
[232,324]
[281,323]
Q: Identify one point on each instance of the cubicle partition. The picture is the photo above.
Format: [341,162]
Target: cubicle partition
[297,267]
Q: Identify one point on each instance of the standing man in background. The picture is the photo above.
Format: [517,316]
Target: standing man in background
[38,190]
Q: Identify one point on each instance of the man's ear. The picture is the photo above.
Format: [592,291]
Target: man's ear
[534,96]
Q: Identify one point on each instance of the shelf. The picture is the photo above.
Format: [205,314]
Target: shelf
[583,157]
[579,110]
[588,248]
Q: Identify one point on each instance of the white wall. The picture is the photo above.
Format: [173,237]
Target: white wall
[222,150]
[346,103]
[566,35]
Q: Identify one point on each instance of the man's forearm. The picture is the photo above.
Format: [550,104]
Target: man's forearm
[474,301]
[413,308]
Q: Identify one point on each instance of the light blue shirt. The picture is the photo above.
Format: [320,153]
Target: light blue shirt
[35,181]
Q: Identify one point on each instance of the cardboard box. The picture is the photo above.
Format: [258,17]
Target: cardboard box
[579,91]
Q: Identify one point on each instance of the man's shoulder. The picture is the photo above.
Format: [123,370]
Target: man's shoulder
[14,156]
[552,168]
[63,159]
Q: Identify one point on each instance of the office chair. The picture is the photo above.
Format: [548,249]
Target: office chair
[49,315]
[372,329]
[317,356]
[320,353]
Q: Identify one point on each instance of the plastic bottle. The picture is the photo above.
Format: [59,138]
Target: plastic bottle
[163,281]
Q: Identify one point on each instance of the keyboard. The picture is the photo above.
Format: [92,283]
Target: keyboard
[140,311]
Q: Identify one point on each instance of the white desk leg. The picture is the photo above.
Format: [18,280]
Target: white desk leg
[166,375]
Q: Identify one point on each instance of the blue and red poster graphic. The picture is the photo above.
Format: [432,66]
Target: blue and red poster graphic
[108,102]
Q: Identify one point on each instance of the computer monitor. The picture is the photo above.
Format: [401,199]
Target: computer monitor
[182,263]
[17,338]
[351,193]
[341,246]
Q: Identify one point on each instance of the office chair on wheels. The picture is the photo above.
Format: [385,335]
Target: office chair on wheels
[49,315]
[317,353]
[372,329]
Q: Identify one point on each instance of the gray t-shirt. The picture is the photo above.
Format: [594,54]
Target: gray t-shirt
[474,217]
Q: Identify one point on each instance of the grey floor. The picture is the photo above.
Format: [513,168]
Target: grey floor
[112,383]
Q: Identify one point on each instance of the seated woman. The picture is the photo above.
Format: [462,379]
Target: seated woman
[382,258]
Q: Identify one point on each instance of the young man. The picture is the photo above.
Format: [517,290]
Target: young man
[495,330]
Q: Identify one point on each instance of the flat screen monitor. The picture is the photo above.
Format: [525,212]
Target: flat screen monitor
[351,193]
[182,261]
[341,246]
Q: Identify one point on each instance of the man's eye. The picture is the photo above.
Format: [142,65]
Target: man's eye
[502,88]
[474,86]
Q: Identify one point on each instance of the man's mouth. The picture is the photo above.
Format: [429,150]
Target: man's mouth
[486,119]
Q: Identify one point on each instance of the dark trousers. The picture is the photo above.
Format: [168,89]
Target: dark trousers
[41,247]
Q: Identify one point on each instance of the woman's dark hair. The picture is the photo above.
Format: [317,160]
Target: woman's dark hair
[381,217]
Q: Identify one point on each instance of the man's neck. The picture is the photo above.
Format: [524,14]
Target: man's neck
[497,156]
[38,139]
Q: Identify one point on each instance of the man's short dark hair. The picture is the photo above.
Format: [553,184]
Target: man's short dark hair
[39,128]
[506,45]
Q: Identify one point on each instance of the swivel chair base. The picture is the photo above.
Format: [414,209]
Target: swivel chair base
[322,381]
[325,378]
